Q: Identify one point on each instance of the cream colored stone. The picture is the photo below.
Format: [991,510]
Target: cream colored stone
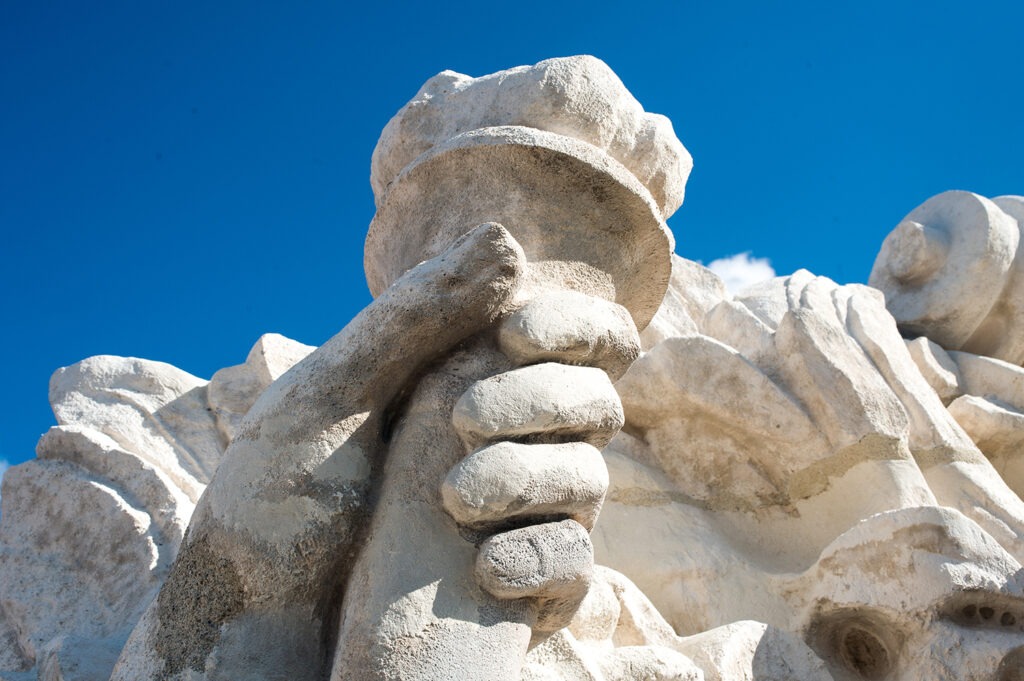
[542,400]
[636,643]
[649,662]
[91,527]
[233,390]
[674,551]
[915,593]
[544,403]
[693,290]
[1001,334]
[77,559]
[550,562]
[587,226]
[616,635]
[147,485]
[992,412]
[753,651]
[876,438]
[509,480]
[951,271]
[689,390]
[827,370]
[991,378]
[933,435]
[328,407]
[578,97]
[788,498]
[998,432]
[937,367]
[585,223]
[572,328]
[149,408]
[736,325]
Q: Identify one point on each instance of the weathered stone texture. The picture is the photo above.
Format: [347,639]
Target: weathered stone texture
[551,449]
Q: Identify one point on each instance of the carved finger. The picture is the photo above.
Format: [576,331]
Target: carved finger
[572,328]
[507,481]
[552,563]
[540,403]
[426,312]
[312,438]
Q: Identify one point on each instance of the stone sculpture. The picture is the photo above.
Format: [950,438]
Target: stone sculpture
[551,449]
[952,271]
[969,346]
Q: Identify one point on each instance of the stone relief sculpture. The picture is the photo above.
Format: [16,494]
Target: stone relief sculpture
[550,449]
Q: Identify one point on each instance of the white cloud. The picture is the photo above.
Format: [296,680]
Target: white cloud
[740,271]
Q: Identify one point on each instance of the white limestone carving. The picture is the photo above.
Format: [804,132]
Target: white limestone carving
[792,421]
[990,407]
[579,223]
[978,318]
[952,271]
[527,459]
[590,231]
[91,527]
[233,390]
[575,97]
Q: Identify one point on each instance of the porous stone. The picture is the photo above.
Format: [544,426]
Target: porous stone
[754,651]
[578,97]
[509,480]
[992,412]
[426,496]
[585,222]
[233,390]
[937,367]
[572,328]
[693,291]
[542,400]
[91,527]
[551,562]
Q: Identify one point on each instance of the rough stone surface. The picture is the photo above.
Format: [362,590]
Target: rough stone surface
[937,367]
[496,472]
[509,480]
[585,222]
[550,400]
[91,527]
[578,97]
[565,326]
[233,390]
[759,441]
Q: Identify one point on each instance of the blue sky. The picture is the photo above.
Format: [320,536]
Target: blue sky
[178,178]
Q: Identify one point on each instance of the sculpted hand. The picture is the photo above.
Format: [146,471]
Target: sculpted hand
[498,445]
[534,435]
[347,454]
[259,578]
